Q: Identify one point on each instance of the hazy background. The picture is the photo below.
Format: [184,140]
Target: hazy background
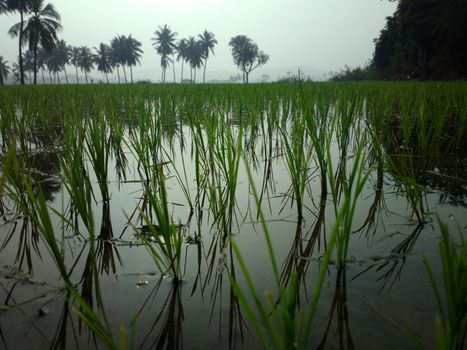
[316,35]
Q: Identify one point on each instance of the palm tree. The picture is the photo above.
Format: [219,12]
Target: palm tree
[182,54]
[4,71]
[86,61]
[195,56]
[164,43]
[20,6]
[4,6]
[118,53]
[74,59]
[62,56]
[132,53]
[41,28]
[208,41]
[104,60]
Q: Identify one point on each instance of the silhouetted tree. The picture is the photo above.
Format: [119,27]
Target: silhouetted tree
[182,54]
[61,55]
[103,59]
[195,56]
[74,59]
[132,53]
[246,55]
[41,28]
[423,39]
[208,41]
[164,43]
[19,6]
[85,60]
[4,70]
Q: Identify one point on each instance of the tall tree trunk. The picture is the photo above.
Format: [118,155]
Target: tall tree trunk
[86,76]
[58,78]
[107,77]
[42,73]
[77,80]
[1,79]
[131,73]
[66,75]
[21,67]
[34,66]
[204,72]
[124,73]
[118,73]
[181,77]
[173,68]
[50,76]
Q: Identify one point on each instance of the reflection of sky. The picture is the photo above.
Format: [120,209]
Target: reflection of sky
[323,34]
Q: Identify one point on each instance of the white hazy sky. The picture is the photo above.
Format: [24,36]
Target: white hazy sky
[322,34]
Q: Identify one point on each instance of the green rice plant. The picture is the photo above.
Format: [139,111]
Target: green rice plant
[39,213]
[280,325]
[451,323]
[351,189]
[298,157]
[166,250]
[404,172]
[98,145]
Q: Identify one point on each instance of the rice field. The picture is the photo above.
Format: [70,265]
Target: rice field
[311,215]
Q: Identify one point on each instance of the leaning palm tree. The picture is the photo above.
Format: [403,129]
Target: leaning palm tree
[208,41]
[132,53]
[20,6]
[74,59]
[164,43]
[4,70]
[86,61]
[41,28]
[103,59]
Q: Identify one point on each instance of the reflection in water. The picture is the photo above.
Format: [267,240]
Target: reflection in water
[166,331]
[339,309]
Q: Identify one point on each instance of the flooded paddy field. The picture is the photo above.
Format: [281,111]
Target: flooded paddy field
[314,215]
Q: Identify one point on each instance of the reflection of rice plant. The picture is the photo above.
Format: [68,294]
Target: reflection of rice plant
[451,323]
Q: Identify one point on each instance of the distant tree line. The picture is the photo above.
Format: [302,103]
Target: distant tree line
[423,39]
[40,22]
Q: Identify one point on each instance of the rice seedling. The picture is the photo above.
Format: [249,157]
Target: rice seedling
[451,322]
[166,251]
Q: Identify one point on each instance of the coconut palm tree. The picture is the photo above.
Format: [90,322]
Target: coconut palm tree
[195,56]
[118,44]
[132,53]
[4,70]
[208,41]
[41,28]
[103,59]
[62,56]
[164,43]
[4,6]
[74,59]
[86,61]
[20,6]
[182,54]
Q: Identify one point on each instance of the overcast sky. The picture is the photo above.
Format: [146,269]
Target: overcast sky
[321,34]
